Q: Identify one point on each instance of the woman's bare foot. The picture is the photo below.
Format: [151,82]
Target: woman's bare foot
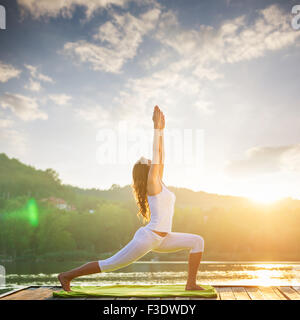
[65,283]
[193,287]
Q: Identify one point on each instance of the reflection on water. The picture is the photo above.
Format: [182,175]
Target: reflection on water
[154,272]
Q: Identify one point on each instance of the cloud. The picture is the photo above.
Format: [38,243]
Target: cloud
[6,123]
[8,72]
[264,160]
[156,59]
[33,85]
[290,160]
[54,8]
[204,106]
[60,99]
[116,41]
[188,57]
[23,107]
[37,75]
[36,78]
[204,49]
[207,73]
[195,55]
[11,140]
[96,114]
[176,93]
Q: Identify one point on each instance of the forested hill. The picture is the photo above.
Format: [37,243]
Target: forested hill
[18,179]
[80,222]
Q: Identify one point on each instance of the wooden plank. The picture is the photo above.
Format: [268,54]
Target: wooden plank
[240,293]
[297,288]
[254,293]
[46,293]
[54,298]
[269,293]
[289,293]
[279,294]
[182,298]
[42,294]
[31,293]
[218,293]
[21,295]
[225,293]
[6,294]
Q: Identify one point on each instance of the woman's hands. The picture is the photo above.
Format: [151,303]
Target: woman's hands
[158,118]
[157,164]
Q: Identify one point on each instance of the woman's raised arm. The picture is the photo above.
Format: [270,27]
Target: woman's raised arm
[156,170]
[162,148]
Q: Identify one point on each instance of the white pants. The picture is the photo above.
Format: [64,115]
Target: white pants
[145,241]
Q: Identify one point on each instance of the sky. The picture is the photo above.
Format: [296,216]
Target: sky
[79,80]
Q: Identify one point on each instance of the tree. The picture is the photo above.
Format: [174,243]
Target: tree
[53,174]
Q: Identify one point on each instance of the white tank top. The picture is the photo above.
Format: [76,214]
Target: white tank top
[161,208]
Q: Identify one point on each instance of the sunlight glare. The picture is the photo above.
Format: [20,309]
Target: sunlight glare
[265,197]
[266,276]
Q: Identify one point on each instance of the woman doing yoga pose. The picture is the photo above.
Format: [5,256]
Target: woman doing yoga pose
[156,205]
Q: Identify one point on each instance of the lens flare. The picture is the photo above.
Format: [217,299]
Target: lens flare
[32,212]
[29,212]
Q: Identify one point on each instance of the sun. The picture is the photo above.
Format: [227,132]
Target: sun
[265,197]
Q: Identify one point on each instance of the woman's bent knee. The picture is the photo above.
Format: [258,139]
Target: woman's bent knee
[198,245]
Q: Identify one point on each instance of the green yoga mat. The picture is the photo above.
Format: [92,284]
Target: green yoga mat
[136,291]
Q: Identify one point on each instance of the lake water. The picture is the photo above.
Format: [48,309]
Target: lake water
[154,272]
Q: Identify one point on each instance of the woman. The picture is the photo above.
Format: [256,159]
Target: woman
[156,205]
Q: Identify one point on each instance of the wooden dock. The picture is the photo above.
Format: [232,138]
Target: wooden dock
[224,293]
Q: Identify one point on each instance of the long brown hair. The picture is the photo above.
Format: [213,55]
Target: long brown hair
[139,187]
